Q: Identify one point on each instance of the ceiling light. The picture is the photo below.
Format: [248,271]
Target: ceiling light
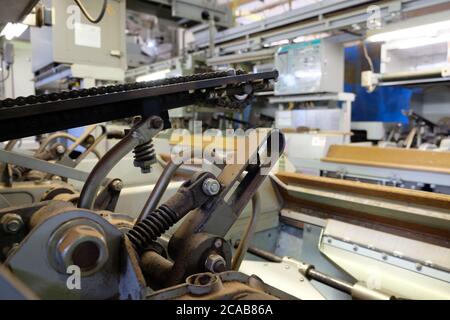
[157,75]
[423,31]
[13,30]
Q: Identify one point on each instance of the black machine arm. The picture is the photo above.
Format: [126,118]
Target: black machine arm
[27,116]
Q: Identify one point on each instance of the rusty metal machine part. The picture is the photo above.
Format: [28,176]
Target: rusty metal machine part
[198,244]
[140,134]
[59,236]
[64,238]
[230,285]
[56,236]
[189,196]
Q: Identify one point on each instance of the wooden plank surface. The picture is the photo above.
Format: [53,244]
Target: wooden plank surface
[408,159]
[435,200]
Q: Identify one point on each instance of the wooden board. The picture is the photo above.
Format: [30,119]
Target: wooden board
[436,200]
[408,159]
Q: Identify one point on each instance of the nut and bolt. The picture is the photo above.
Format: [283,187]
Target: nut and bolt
[156,122]
[211,187]
[60,149]
[117,185]
[11,222]
[218,243]
[83,246]
[215,263]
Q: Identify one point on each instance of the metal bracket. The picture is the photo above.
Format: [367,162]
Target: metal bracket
[26,161]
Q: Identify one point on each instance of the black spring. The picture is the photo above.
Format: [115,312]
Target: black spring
[144,155]
[152,227]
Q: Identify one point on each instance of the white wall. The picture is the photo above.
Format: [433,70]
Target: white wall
[434,103]
[20,81]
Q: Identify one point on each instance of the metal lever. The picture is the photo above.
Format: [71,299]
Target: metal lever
[218,216]
[141,133]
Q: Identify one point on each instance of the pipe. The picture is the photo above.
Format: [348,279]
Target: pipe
[250,230]
[412,75]
[102,169]
[262,253]
[332,282]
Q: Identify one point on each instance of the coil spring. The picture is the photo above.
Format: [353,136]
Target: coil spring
[152,227]
[144,156]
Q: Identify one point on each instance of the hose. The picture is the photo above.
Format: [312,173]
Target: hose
[88,16]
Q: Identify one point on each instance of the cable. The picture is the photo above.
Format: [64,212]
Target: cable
[7,76]
[366,55]
[248,233]
[88,16]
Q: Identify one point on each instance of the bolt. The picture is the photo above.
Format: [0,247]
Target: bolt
[117,185]
[215,263]
[218,243]
[156,122]
[146,168]
[84,246]
[11,222]
[429,263]
[418,267]
[211,187]
[385,256]
[355,248]
[60,149]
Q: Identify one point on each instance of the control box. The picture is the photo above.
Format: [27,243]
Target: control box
[310,67]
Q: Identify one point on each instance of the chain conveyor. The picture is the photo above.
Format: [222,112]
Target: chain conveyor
[27,116]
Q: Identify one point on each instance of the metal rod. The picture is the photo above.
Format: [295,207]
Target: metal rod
[330,281]
[248,234]
[262,253]
[142,132]
[41,165]
[159,189]
[102,168]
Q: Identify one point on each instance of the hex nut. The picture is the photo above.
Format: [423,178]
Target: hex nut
[215,263]
[84,246]
[211,187]
[11,222]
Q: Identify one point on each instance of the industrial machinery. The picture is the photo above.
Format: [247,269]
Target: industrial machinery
[117,257]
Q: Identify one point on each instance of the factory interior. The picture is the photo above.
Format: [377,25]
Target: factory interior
[224,150]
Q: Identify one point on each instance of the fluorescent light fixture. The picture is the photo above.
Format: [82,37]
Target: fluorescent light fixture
[279,43]
[311,37]
[13,30]
[418,42]
[151,43]
[431,30]
[157,75]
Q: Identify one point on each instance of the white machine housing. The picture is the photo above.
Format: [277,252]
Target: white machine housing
[310,67]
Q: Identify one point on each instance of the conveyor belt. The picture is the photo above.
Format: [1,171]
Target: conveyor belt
[27,116]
